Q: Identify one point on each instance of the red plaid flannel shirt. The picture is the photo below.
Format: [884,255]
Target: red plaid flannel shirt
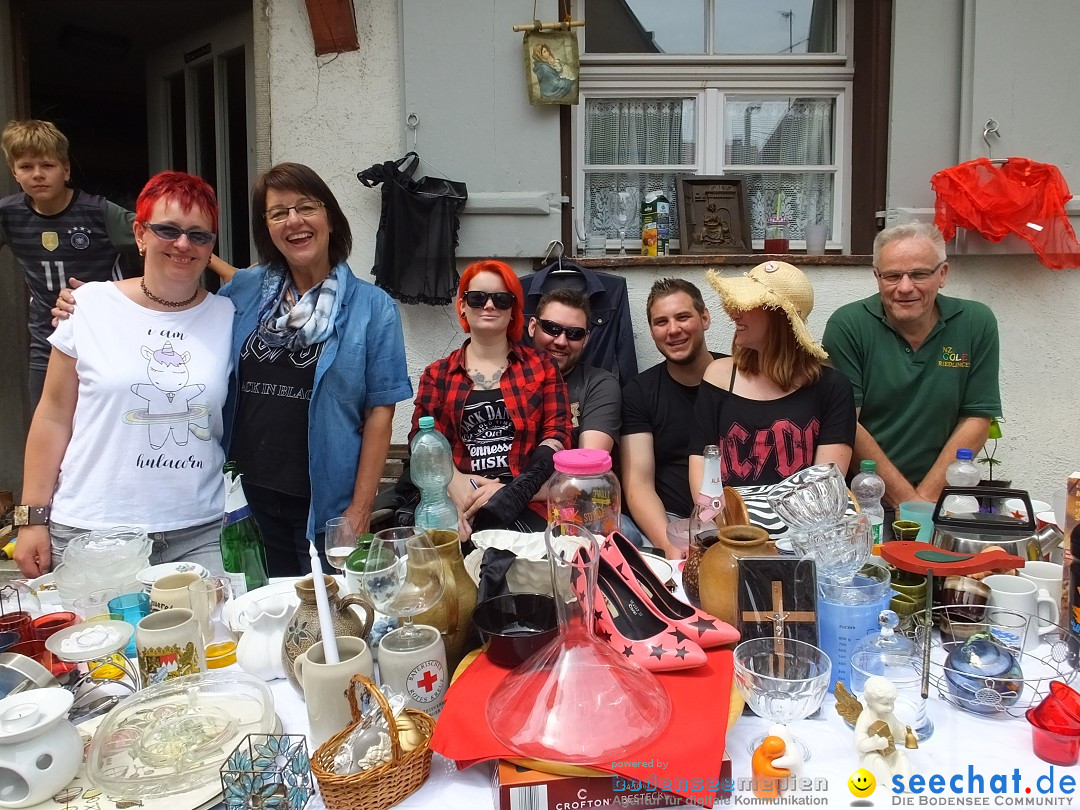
[532,388]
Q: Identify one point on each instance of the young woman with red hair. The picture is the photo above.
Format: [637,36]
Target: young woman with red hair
[128,431]
[502,406]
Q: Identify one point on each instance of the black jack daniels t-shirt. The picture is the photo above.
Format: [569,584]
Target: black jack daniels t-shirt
[270,441]
[488,433]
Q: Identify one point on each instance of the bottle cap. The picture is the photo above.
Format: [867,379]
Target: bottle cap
[583,461]
[965,454]
[868,465]
[427,422]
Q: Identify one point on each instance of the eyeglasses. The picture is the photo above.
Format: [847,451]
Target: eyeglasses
[306,209]
[916,276]
[170,233]
[574,333]
[477,299]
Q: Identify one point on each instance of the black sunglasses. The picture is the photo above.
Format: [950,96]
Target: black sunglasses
[170,233]
[477,299]
[574,333]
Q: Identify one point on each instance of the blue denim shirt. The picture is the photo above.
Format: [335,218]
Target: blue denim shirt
[611,344]
[362,366]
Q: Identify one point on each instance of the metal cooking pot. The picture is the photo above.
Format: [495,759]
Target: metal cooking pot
[972,533]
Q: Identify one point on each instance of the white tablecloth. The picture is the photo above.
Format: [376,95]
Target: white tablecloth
[990,745]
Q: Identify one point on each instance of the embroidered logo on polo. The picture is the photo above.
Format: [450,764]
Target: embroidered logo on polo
[950,358]
[785,445]
[79,236]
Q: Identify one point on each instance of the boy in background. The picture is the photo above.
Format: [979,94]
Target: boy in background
[56,232]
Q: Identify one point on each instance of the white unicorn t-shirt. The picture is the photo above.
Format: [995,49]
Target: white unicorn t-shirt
[145,447]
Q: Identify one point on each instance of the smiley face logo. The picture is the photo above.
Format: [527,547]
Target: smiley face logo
[861,783]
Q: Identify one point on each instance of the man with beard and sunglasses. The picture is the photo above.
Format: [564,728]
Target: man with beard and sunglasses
[502,407]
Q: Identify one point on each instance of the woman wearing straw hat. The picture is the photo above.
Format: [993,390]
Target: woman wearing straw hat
[775,406]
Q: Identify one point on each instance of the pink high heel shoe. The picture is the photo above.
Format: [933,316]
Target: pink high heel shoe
[705,630]
[631,627]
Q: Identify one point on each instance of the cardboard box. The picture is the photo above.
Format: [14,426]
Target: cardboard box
[518,788]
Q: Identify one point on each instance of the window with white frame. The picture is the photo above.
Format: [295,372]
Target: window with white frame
[752,88]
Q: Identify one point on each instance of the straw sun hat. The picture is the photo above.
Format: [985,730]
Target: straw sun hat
[773,285]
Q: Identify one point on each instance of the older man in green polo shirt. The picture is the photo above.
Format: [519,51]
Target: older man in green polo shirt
[924,366]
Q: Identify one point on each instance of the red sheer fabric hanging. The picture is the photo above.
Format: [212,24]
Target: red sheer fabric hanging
[1021,197]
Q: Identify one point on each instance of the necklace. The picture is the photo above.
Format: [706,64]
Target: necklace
[162,301]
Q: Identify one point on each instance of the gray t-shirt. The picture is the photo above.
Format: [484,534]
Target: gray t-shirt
[595,401]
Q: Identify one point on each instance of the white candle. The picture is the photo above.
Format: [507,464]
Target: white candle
[322,604]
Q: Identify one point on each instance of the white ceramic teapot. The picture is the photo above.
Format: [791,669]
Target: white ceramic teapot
[259,650]
[40,750]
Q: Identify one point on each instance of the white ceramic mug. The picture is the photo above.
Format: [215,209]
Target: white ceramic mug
[420,674]
[171,591]
[169,644]
[1047,577]
[325,685]
[1012,592]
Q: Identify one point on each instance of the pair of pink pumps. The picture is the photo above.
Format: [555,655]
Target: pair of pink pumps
[638,617]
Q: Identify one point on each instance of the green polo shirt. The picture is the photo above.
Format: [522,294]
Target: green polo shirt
[911,400]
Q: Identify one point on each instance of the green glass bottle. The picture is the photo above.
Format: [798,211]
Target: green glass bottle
[242,553]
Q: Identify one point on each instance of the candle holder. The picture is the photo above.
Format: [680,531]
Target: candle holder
[268,770]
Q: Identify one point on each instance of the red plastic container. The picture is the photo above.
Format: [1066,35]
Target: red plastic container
[1055,731]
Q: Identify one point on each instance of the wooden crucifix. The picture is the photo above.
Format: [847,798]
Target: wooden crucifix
[778,616]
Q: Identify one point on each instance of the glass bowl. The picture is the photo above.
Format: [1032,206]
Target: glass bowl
[811,497]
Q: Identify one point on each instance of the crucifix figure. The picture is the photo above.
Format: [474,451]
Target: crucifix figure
[777,615]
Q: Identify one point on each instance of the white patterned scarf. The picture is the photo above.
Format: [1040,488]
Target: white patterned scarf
[295,324]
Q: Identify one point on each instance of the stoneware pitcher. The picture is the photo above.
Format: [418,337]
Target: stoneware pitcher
[324,685]
[303,628]
[452,616]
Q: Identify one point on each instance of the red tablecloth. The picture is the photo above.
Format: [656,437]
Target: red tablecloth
[686,757]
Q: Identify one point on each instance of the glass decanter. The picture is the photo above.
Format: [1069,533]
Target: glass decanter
[577,700]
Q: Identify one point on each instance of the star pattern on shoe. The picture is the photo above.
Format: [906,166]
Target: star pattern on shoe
[680,636]
[598,616]
[628,651]
[701,624]
[604,634]
[680,652]
[657,651]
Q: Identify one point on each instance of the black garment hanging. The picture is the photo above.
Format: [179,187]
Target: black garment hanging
[414,249]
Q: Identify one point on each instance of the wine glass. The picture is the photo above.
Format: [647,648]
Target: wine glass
[339,541]
[403,576]
[782,680]
[582,236]
[624,208]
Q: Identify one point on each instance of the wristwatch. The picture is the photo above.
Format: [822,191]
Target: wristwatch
[31,515]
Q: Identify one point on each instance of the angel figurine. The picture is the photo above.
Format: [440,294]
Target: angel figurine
[877,729]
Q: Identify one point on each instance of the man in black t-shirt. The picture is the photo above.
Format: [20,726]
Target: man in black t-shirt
[658,409]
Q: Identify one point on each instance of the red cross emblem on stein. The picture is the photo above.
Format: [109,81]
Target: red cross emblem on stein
[427,684]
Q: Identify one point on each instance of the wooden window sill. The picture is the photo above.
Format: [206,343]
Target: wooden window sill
[729,259]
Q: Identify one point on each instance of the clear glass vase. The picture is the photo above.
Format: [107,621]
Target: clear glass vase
[577,700]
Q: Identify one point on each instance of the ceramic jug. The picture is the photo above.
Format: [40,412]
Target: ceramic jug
[452,616]
[259,650]
[718,573]
[303,628]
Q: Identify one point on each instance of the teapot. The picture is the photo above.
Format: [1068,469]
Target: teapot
[303,628]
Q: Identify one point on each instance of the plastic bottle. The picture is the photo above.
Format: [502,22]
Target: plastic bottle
[432,468]
[242,554]
[868,488]
[961,473]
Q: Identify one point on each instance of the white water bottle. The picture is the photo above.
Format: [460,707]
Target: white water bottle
[868,489]
[961,473]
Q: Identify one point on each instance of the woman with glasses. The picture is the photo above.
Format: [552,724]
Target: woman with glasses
[319,362]
[129,426]
[775,406]
[501,405]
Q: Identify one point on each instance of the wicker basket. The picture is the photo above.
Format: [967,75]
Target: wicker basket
[384,785]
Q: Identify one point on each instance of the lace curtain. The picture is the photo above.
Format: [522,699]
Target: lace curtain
[634,132]
[783,132]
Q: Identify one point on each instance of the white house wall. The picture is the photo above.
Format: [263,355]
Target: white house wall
[342,113]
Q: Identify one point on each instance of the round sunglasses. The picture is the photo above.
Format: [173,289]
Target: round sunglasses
[573,333]
[477,299]
[170,233]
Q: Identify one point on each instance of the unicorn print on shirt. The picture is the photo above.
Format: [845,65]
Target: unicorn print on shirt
[169,410]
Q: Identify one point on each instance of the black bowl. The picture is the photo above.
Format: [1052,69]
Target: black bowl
[515,625]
